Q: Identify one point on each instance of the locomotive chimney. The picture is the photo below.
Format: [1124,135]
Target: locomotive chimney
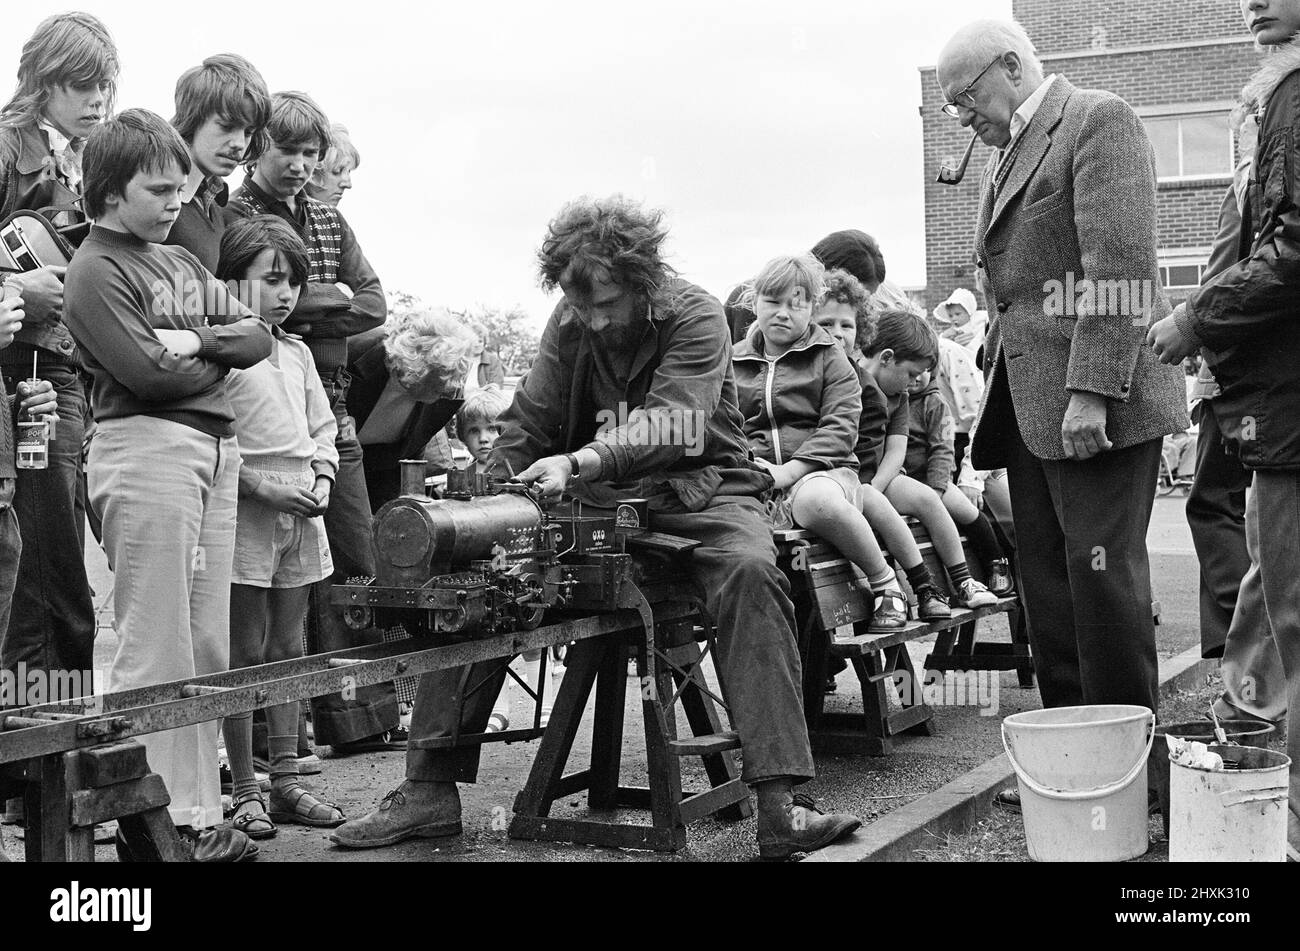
[413,478]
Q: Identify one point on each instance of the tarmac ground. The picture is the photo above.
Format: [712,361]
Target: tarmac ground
[966,737]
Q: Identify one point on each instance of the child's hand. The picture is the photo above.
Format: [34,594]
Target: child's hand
[973,495]
[287,498]
[783,477]
[960,335]
[322,492]
[181,343]
[882,482]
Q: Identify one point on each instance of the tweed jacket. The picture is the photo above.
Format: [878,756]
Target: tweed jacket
[1066,235]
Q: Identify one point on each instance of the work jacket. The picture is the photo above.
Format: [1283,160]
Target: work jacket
[1245,319]
[803,405]
[675,436]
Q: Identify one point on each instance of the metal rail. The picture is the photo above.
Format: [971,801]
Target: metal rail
[91,721]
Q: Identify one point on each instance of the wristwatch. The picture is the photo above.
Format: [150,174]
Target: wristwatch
[574,473]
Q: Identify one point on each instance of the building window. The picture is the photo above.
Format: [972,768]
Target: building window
[1182,270]
[1191,147]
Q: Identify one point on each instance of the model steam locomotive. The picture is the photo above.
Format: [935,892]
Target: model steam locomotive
[488,559]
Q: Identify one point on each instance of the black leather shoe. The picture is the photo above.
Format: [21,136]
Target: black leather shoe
[221,845]
[931,603]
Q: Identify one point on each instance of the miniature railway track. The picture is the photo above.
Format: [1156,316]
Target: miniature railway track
[54,728]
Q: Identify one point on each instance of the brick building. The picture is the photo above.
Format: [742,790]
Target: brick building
[1182,71]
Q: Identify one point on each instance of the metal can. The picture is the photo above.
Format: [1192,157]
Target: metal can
[632,515]
[34,444]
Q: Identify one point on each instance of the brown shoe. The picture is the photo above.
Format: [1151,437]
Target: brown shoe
[790,824]
[414,809]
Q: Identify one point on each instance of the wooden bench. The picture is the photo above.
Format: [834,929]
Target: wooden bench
[834,609]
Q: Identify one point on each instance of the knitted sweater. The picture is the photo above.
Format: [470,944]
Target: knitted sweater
[202,222]
[118,291]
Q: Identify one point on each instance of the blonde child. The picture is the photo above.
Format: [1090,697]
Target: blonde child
[476,422]
[800,400]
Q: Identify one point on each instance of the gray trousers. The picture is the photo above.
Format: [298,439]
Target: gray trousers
[1253,678]
[1272,514]
[749,599]
[1216,514]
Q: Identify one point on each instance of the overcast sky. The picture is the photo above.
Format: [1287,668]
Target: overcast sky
[758,126]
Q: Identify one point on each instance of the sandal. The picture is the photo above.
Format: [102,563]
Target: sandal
[298,806]
[255,825]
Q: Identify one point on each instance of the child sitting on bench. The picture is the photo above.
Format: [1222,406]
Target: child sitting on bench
[846,314]
[800,400]
[930,461]
[902,349]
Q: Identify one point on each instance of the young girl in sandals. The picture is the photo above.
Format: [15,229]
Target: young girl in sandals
[286,433]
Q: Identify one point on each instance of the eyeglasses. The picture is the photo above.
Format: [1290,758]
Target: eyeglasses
[964,99]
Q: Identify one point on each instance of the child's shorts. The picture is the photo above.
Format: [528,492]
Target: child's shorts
[274,549]
[846,479]
[781,511]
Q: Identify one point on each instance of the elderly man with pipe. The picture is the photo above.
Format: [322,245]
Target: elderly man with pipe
[1076,407]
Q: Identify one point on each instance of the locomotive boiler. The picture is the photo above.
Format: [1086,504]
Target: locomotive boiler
[489,559]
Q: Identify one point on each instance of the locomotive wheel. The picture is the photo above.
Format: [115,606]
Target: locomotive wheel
[531,620]
[358,618]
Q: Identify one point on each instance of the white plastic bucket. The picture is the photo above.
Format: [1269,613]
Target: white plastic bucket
[1237,815]
[1083,780]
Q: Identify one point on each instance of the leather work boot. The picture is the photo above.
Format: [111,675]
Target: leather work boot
[414,809]
[788,824]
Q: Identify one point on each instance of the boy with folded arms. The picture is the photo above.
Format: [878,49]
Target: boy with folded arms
[164,464]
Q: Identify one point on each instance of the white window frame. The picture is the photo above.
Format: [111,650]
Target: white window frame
[1183,257]
[1195,111]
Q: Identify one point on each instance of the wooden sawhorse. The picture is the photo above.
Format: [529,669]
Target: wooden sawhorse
[669,667]
[67,794]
